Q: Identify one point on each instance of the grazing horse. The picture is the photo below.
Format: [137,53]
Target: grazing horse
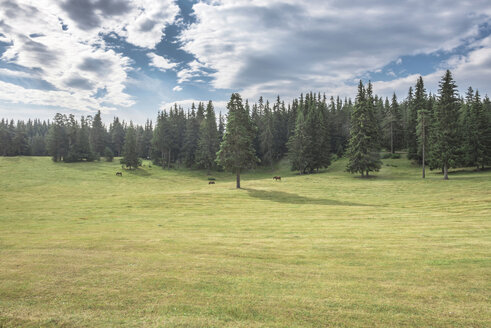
[211,182]
[276,178]
[119,174]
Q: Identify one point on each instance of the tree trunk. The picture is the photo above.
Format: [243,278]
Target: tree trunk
[238,179]
[362,174]
[168,160]
[445,172]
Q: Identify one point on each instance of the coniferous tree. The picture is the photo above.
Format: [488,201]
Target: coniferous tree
[139,140]
[221,128]
[412,116]
[237,150]
[83,144]
[486,104]
[475,126]
[297,145]
[38,145]
[208,140]
[130,152]
[317,150]
[117,134]
[161,141]
[267,137]
[363,151]
[98,135]
[57,138]
[147,140]
[258,121]
[191,138]
[446,138]
[423,107]
[20,144]
[280,129]
[393,124]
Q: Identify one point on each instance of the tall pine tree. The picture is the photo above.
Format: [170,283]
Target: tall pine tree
[446,137]
[363,149]
[208,140]
[237,150]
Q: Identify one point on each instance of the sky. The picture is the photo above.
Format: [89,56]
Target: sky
[132,58]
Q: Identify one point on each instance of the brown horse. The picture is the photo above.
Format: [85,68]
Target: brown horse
[276,178]
[119,174]
[211,182]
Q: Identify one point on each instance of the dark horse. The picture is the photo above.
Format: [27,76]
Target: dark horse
[119,174]
[211,182]
[276,178]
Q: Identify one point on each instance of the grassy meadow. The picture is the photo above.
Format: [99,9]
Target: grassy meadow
[81,247]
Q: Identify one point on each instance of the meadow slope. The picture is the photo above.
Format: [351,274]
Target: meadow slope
[80,247]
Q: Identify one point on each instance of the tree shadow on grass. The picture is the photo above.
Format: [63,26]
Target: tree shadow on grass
[290,198]
[139,172]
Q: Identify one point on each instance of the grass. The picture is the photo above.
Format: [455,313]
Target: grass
[80,247]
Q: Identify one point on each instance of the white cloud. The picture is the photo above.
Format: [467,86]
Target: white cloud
[61,42]
[285,46]
[193,70]
[141,22]
[177,88]
[474,70]
[160,62]
[10,73]
[64,99]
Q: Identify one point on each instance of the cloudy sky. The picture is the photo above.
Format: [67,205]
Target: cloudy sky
[131,58]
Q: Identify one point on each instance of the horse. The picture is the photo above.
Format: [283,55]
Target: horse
[276,178]
[119,174]
[211,182]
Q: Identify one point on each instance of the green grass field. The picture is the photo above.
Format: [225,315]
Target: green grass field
[80,247]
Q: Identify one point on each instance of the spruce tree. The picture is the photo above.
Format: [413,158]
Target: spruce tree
[208,140]
[297,145]
[20,142]
[486,104]
[97,135]
[161,141]
[412,117]
[130,152]
[221,128]
[446,142]
[266,137]
[393,124]
[83,144]
[363,150]
[237,150]
[147,140]
[191,138]
[423,122]
[57,138]
[117,135]
[475,126]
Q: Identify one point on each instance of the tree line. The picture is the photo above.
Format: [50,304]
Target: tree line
[441,131]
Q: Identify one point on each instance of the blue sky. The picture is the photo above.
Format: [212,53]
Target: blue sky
[132,58]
